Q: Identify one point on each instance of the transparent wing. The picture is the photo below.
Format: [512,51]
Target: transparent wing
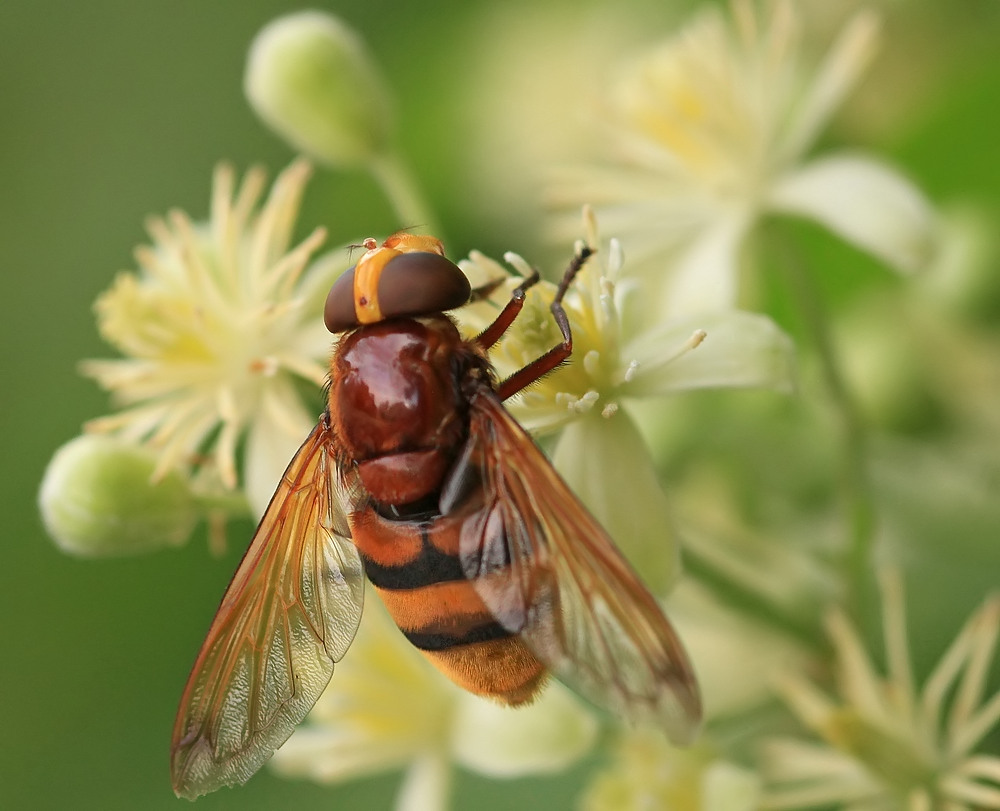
[290,612]
[547,570]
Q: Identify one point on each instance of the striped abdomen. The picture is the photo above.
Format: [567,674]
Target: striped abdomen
[415,568]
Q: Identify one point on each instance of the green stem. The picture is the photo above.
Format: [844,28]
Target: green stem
[749,603]
[234,504]
[216,509]
[857,557]
[401,190]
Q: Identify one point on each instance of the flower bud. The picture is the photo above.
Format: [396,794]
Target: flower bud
[97,499]
[309,77]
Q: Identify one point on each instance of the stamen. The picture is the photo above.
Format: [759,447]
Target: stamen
[587,402]
[217,533]
[266,366]
[590,227]
[226,403]
[592,363]
[616,258]
[519,263]
[695,340]
[280,281]
[580,405]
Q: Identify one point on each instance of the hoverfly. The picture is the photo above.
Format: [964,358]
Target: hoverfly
[418,477]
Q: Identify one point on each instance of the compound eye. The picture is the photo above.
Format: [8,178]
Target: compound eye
[338,312]
[408,284]
[421,283]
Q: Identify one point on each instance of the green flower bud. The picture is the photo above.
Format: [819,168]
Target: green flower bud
[97,499]
[309,78]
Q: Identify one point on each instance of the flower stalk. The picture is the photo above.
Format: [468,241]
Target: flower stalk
[397,183]
[751,604]
[856,558]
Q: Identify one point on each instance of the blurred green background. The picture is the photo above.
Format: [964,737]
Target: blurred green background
[112,110]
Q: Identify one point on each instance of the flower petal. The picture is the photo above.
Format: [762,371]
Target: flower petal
[280,427]
[722,642]
[727,787]
[609,467]
[427,785]
[324,270]
[865,202]
[847,59]
[739,349]
[386,708]
[546,737]
[704,277]
[326,757]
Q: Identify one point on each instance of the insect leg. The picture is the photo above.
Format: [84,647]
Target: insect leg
[551,359]
[484,291]
[492,333]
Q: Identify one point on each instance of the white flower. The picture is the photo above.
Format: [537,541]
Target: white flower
[710,132]
[620,356]
[648,773]
[887,744]
[387,708]
[216,326]
[723,641]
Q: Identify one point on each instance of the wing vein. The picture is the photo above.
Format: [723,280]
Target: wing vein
[589,618]
[269,653]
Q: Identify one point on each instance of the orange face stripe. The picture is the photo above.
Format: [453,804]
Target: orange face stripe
[366,276]
[406,243]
